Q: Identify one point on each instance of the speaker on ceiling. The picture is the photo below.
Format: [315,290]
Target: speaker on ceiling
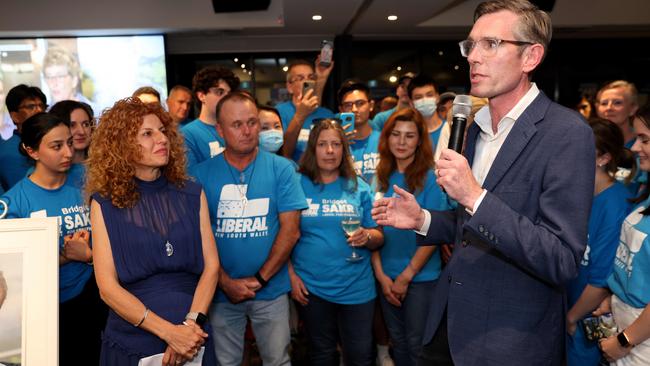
[234,6]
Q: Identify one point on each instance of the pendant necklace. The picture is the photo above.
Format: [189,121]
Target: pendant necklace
[242,188]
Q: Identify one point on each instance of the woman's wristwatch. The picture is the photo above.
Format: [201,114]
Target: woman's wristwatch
[198,317]
[623,340]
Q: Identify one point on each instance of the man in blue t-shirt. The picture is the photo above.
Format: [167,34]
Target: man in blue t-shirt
[403,101]
[354,97]
[202,141]
[22,102]
[255,200]
[299,113]
[423,94]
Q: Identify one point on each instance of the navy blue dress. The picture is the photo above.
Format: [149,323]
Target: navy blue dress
[164,277]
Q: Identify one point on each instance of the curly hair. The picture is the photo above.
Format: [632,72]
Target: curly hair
[308,163]
[114,150]
[209,77]
[416,172]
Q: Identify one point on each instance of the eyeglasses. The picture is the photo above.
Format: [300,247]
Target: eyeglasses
[347,106]
[321,122]
[218,91]
[486,46]
[33,106]
[299,78]
[56,77]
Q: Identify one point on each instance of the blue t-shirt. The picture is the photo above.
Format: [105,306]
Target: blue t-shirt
[365,155]
[26,199]
[630,278]
[244,213]
[202,141]
[287,110]
[380,119]
[319,258]
[608,210]
[13,164]
[77,175]
[399,245]
[435,135]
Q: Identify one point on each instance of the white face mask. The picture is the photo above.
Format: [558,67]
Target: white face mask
[426,106]
[271,140]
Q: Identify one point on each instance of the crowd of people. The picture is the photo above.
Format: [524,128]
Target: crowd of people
[179,237]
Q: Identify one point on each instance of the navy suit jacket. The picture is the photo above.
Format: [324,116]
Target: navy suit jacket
[504,286]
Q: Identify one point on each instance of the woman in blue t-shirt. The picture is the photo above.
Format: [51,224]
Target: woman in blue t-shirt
[47,192]
[608,209]
[406,273]
[80,117]
[335,290]
[630,278]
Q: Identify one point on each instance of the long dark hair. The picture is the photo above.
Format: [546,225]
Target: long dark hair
[416,173]
[609,140]
[308,163]
[643,114]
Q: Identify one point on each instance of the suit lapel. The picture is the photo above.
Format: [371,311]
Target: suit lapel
[470,147]
[520,134]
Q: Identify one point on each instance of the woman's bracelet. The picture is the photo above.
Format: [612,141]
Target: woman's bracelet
[146,312]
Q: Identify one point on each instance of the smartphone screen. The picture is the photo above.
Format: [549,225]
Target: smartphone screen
[326,53]
[347,121]
[306,85]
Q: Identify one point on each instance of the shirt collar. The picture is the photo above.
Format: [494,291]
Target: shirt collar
[484,120]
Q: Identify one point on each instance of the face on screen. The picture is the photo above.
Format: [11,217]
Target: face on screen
[61,83]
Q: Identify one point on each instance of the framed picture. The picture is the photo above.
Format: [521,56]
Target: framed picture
[29,291]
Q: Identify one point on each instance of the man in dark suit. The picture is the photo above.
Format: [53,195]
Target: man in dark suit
[524,188]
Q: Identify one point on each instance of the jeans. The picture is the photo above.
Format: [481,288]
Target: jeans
[270,322]
[405,324]
[328,322]
[436,352]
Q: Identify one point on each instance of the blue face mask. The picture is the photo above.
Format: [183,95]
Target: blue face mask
[271,140]
[426,106]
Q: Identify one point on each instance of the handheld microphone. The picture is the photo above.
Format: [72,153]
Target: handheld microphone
[461,109]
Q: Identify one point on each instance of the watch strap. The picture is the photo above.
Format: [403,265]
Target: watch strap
[198,317]
[623,340]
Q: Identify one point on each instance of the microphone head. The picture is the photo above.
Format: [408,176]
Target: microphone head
[462,105]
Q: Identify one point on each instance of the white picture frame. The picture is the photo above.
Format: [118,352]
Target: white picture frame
[34,243]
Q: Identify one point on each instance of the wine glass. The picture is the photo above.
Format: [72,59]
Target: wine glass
[350,224]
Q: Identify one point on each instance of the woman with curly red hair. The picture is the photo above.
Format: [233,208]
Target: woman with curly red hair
[156,261]
[406,273]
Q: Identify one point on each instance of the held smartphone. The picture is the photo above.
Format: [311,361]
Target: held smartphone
[347,121]
[326,53]
[307,85]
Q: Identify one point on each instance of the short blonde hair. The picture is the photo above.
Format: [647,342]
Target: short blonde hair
[630,90]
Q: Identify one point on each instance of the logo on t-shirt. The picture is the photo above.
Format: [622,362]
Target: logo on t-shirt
[238,217]
[339,207]
[368,164]
[215,148]
[631,240]
[312,210]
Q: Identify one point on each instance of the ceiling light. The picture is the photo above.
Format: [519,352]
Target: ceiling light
[316,17]
[440,53]
[285,69]
[243,66]
[399,68]
[456,67]
[392,18]
[236,59]
[392,79]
